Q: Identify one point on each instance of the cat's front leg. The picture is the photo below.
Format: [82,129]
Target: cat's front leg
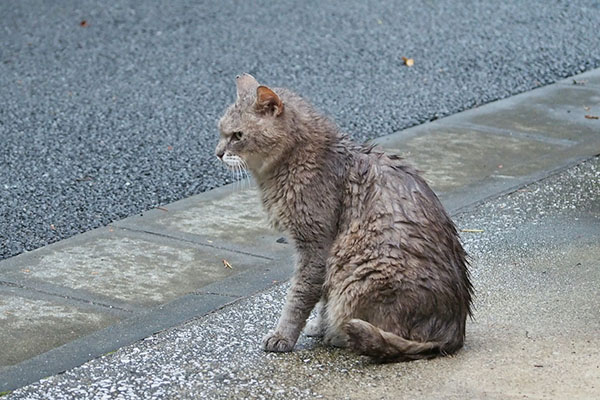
[304,293]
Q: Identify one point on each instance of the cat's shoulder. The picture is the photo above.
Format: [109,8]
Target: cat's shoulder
[385,159]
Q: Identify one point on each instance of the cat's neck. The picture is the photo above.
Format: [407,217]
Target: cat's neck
[311,147]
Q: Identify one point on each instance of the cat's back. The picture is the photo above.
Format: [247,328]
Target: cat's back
[387,184]
[394,226]
[390,207]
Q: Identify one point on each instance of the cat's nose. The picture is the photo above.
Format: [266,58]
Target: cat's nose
[220,154]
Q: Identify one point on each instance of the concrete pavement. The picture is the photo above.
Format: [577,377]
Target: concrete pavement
[75,300]
[535,333]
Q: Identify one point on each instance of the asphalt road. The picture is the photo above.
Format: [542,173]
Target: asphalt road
[109,109]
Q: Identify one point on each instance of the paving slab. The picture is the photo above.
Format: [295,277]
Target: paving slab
[126,267]
[231,217]
[553,112]
[455,157]
[33,323]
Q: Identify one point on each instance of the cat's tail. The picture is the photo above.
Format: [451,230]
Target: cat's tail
[367,339]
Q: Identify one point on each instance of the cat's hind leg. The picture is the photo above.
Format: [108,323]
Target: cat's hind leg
[316,326]
[335,314]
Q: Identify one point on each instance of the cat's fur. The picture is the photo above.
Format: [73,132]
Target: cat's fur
[373,242]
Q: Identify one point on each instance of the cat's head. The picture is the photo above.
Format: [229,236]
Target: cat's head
[252,130]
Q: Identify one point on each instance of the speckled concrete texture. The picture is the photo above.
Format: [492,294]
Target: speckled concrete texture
[536,269]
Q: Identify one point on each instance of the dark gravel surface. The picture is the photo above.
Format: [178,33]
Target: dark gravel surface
[108,109]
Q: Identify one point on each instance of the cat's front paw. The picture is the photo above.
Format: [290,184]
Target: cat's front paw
[278,343]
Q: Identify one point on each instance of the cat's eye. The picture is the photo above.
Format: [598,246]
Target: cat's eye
[237,135]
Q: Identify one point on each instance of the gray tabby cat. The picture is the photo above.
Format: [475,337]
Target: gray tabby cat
[374,244]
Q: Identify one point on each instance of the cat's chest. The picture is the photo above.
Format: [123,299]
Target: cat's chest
[279,208]
[303,203]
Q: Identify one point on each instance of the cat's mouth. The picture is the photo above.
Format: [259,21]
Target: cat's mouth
[234,163]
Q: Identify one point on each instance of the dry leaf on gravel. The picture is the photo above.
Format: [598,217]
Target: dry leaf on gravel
[592,117]
[409,62]
[226,264]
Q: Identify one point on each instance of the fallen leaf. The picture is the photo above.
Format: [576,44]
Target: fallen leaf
[500,166]
[52,227]
[409,62]
[472,230]
[226,264]
[83,24]
[161,209]
[586,108]
[169,148]
[592,117]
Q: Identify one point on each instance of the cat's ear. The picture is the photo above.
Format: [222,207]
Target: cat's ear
[267,102]
[245,83]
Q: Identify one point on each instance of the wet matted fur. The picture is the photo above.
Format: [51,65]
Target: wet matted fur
[374,245]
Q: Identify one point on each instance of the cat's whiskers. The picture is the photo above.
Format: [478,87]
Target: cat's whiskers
[236,173]
[239,171]
[244,169]
[239,175]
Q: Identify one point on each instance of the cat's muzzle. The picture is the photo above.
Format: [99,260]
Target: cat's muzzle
[233,161]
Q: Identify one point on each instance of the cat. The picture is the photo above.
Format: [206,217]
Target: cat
[374,245]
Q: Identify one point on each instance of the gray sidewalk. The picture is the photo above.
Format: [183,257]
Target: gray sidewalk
[78,299]
[535,332]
